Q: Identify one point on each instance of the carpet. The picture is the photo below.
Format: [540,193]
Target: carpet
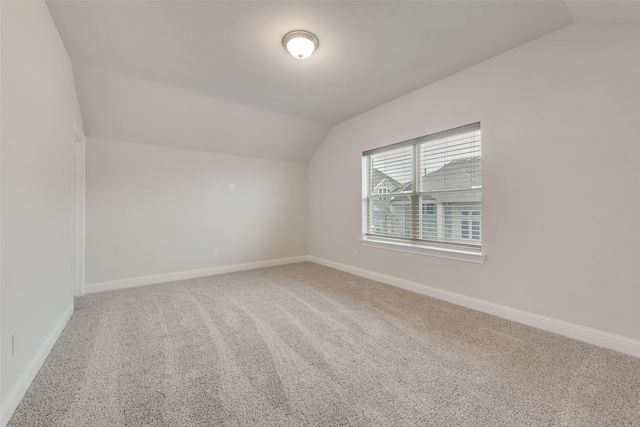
[306,345]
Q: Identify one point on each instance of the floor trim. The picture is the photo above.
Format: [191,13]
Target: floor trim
[593,336]
[189,274]
[17,393]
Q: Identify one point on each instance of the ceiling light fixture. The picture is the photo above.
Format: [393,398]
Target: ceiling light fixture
[300,44]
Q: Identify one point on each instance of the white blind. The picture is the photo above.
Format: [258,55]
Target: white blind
[427,190]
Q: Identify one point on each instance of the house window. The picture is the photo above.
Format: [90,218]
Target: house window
[384,190]
[426,192]
[470,226]
[429,220]
[464,225]
[377,225]
[448,223]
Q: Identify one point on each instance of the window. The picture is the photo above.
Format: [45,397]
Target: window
[475,225]
[377,225]
[384,190]
[426,192]
[429,220]
[448,223]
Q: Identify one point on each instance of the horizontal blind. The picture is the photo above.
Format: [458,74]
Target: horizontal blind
[427,190]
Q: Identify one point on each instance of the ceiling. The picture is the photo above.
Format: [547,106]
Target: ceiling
[605,11]
[369,53]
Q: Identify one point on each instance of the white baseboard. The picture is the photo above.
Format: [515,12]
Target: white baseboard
[593,336]
[16,394]
[189,274]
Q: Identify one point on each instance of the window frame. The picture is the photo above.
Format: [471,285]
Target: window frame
[465,249]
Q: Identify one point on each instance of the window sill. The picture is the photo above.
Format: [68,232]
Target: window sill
[457,254]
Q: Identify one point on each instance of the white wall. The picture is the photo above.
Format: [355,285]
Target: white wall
[152,210]
[39,106]
[561,176]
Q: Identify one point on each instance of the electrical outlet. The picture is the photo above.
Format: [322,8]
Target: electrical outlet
[14,344]
[232,186]
[214,185]
[214,253]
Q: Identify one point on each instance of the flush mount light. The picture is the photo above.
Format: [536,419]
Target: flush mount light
[300,44]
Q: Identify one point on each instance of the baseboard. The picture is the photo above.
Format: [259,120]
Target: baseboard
[593,336]
[189,274]
[16,394]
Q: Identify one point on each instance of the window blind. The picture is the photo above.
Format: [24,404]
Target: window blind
[426,191]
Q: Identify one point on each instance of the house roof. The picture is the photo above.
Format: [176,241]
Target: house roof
[460,173]
[456,174]
[407,187]
[377,176]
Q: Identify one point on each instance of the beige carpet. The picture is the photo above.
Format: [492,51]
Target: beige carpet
[305,345]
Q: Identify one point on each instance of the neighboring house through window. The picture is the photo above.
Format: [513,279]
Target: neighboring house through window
[425,192]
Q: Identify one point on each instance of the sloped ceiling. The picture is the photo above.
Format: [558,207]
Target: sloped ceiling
[218,71]
[115,106]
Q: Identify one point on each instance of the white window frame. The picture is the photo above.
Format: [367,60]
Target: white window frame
[418,242]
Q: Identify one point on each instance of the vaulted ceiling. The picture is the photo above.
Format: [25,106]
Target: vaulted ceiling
[214,76]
